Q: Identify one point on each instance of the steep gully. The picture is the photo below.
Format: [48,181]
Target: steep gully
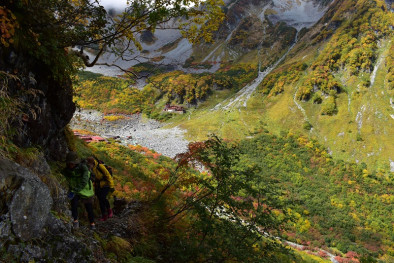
[242,96]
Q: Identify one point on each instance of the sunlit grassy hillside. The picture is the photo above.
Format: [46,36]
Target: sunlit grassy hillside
[334,86]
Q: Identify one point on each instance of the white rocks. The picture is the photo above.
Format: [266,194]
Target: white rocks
[134,130]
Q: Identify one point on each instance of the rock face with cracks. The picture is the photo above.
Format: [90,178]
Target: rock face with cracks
[28,230]
[46,103]
[25,198]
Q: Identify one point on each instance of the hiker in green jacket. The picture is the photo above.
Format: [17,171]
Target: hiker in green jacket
[80,187]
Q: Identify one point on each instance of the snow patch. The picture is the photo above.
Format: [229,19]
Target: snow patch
[391,165]
[163,37]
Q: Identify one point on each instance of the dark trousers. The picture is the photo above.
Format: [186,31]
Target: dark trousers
[103,201]
[88,205]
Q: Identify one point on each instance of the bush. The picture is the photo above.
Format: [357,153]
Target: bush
[114,117]
[329,106]
[307,126]
[304,92]
[316,98]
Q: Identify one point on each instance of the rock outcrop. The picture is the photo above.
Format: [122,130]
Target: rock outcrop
[28,230]
[45,103]
[26,201]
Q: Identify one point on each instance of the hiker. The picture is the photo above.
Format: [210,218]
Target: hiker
[104,184]
[80,187]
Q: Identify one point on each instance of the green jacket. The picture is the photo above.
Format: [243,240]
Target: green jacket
[79,181]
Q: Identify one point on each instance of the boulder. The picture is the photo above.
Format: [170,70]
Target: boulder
[25,199]
[28,230]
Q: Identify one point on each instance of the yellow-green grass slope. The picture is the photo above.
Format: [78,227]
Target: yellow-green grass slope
[361,127]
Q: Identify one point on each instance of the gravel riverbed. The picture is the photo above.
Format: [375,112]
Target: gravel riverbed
[133,129]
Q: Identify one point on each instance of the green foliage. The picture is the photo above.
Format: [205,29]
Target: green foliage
[316,98]
[10,111]
[352,47]
[196,216]
[192,88]
[147,67]
[140,260]
[219,201]
[120,248]
[265,181]
[336,204]
[390,69]
[322,79]
[113,95]
[45,28]
[329,106]
[307,125]
[158,114]
[84,75]
[274,82]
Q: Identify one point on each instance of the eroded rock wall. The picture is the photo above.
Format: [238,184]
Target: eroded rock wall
[46,105]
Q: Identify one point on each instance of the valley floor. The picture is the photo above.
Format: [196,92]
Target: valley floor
[135,130]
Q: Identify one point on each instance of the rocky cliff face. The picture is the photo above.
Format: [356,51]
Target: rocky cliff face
[28,230]
[46,103]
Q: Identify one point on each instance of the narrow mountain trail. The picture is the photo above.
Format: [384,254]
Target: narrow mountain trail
[242,96]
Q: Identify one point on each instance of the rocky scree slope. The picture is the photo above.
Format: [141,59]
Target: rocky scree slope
[248,23]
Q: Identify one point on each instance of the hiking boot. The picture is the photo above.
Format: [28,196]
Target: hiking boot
[75,224]
[104,218]
[110,213]
[92,226]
